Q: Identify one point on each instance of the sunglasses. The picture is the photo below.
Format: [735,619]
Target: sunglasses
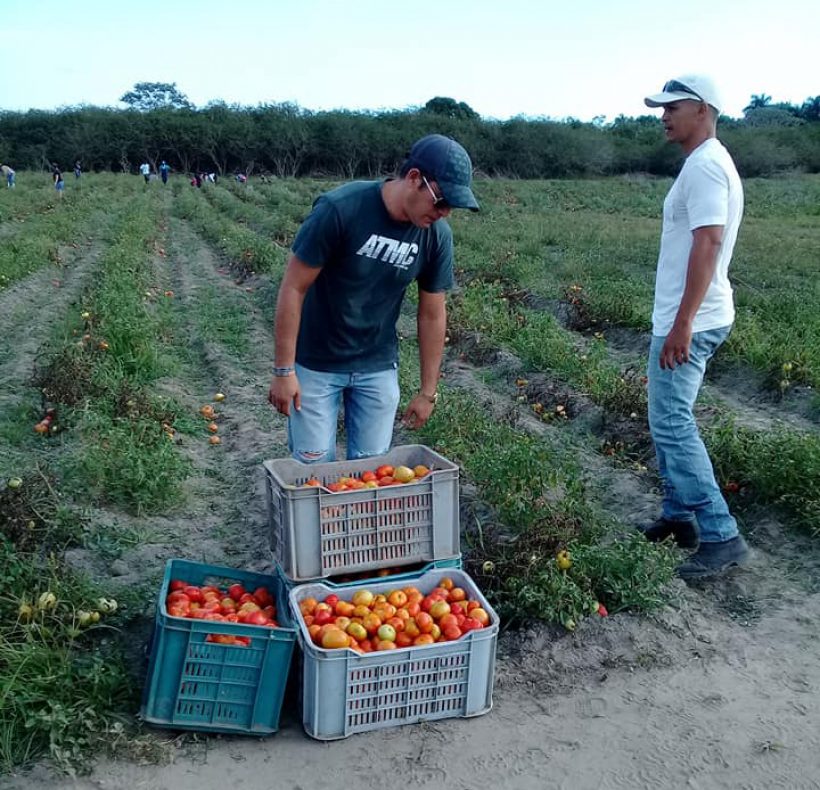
[439,202]
[673,86]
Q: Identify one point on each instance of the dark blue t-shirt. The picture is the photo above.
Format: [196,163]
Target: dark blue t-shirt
[368,259]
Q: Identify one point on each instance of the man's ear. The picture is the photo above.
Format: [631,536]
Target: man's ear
[413,175]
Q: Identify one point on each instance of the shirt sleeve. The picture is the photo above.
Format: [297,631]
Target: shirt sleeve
[437,273]
[707,195]
[320,234]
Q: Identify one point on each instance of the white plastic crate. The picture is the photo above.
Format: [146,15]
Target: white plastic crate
[344,692]
[316,533]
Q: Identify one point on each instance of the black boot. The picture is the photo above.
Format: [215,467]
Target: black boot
[685,533]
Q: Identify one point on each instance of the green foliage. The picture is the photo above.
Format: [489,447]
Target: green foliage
[146,96]
[287,140]
[63,681]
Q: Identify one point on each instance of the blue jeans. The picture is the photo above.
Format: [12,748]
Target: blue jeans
[370,401]
[689,485]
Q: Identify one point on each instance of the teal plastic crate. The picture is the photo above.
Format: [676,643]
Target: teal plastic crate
[194,684]
[316,533]
[344,692]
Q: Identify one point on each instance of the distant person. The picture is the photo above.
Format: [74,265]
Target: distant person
[197,180]
[692,316]
[145,169]
[78,170]
[57,178]
[9,174]
[164,169]
[359,249]
[241,178]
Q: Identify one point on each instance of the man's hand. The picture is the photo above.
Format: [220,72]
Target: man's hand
[676,347]
[418,412]
[285,390]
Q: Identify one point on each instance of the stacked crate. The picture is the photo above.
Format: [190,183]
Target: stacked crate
[317,535]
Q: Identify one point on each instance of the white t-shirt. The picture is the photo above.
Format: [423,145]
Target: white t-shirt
[706,192]
[145,168]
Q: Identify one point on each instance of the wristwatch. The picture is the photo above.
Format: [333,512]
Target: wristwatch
[282,372]
[432,398]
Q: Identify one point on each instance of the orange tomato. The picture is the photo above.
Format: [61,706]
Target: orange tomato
[344,608]
[385,644]
[397,598]
[457,594]
[368,476]
[424,639]
[480,615]
[371,623]
[424,622]
[447,583]
[403,639]
[335,638]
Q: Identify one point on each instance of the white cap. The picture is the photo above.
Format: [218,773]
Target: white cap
[695,87]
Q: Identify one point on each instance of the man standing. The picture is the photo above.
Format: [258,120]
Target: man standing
[164,169]
[145,169]
[692,316]
[352,260]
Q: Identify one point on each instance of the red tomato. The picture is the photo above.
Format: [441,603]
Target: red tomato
[262,594]
[177,584]
[369,476]
[236,591]
[452,633]
[194,593]
[385,470]
[332,600]
[257,618]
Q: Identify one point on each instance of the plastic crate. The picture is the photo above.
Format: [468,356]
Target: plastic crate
[316,533]
[194,684]
[344,692]
[412,572]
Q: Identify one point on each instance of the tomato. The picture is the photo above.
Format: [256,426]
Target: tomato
[411,629]
[457,608]
[386,481]
[307,605]
[257,618]
[313,482]
[336,487]
[447,583]
[332,600]
[448,621]
[263,596]
[471,624]
[177,611]
[372,623]
[403,640]
[385,644]
[397,623]
[457,594]
[322,617]
[439,609]
[452,633]
[424,622]
[385,470]
[343,622]
[480,615]
[344,608]
[177,599]
[362,598]
[177,584]
[369,477]
[334,639]
[357,631]
[423,639]
[397,598]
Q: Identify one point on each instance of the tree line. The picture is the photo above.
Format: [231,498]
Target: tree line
[287,140]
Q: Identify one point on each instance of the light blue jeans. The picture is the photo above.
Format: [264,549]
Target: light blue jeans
[370,401]
[689,485]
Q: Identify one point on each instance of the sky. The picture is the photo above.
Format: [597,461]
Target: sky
[538,58]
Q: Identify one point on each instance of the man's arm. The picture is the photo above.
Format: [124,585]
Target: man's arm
[295,284]
[706,243]
[432,326]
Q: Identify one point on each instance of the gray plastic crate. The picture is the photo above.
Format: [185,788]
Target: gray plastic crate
[316,533]
[344,692]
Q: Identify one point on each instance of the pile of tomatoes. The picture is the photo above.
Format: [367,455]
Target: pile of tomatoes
[232,605]
[385,475]
[400,618]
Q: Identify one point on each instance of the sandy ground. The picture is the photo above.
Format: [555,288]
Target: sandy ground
[719,690]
